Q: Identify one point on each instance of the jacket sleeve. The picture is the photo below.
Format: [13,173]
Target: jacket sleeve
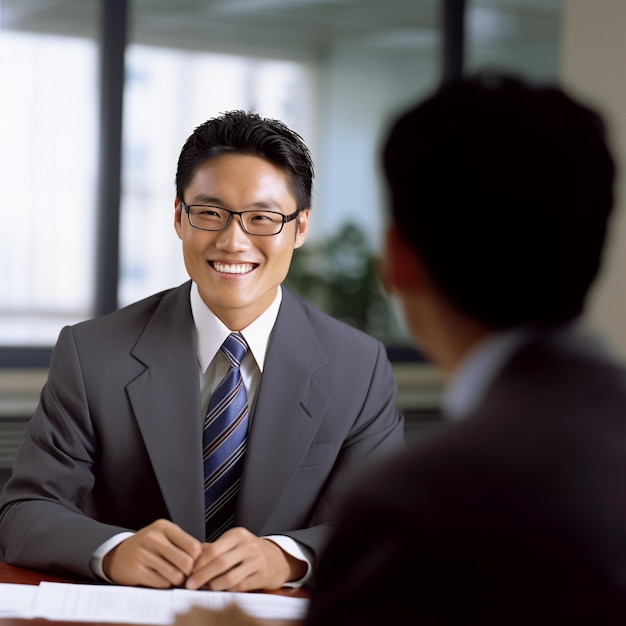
[42,508]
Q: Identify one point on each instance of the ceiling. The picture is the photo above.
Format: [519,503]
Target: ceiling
[293,28]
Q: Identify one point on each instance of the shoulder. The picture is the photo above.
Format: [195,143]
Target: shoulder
[111,347]
[302,313]
[124,326]
[323,341]
[567,372]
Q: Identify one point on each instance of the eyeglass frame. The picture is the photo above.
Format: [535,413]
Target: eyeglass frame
[285,219]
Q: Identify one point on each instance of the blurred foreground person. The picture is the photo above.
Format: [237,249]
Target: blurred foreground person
[500,197]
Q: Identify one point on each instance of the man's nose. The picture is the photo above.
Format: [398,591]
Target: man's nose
[234,233]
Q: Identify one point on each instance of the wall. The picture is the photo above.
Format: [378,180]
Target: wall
[594,48]
[361,89]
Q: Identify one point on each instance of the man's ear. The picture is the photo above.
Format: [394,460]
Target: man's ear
[178,211]
[402,269]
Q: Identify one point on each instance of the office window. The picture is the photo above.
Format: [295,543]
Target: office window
[336,72]
[47,177]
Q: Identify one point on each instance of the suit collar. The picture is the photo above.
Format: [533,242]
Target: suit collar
[478,368]
[166,401]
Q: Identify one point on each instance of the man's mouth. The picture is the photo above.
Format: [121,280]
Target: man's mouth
[233,268]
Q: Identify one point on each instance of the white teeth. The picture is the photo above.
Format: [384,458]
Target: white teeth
[241,268]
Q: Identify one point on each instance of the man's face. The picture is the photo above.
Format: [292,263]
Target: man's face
[238,274]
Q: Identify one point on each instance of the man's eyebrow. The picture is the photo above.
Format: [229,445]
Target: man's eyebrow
[204,199]
[270,205]
[259,205]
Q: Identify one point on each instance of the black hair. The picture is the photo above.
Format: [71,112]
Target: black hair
[249,133]
[504,189]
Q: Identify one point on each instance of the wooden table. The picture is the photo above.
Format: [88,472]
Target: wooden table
[13,574]
[23,576]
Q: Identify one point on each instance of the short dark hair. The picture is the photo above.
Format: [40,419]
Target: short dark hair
[504,189]
[249,133]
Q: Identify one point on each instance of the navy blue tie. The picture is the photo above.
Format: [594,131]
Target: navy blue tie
[224,442]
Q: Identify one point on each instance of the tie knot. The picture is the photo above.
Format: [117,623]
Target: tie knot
[234,348]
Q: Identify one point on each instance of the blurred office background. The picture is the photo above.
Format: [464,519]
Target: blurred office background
[98,96]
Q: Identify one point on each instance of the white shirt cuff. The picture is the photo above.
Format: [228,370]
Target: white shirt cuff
[95,563]
[298,551]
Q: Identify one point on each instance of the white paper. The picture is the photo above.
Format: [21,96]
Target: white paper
[103,603]
[264,605]
[17,600]
[133,605]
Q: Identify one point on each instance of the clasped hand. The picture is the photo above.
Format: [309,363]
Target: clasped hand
[163,555]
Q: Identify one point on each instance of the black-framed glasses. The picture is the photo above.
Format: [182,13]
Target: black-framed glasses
[254,222]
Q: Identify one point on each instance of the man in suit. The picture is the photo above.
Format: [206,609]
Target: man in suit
[500,196]
[109,480]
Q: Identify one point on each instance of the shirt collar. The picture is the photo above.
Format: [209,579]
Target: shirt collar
[211,331]
[478,369]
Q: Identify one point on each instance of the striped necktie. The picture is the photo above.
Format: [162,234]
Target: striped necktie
[224,442]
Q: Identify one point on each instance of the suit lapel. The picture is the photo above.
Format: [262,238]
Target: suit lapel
[166,401]
[290,405]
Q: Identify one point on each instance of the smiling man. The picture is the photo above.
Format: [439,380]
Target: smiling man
[140,466]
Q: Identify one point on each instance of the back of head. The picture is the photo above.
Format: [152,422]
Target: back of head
[504,189]
[248,133]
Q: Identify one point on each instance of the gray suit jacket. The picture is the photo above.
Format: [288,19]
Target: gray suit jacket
[115,442]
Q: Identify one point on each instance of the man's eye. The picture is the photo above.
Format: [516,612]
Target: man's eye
[207,212]
[263,218]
